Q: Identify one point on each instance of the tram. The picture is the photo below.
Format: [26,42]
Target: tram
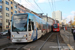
[27,27]
[56,27]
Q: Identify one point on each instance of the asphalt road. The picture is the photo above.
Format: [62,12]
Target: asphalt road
[4,40]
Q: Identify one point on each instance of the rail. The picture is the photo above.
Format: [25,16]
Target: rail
[45,42]
[58,42]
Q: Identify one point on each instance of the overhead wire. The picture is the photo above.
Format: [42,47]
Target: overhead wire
[50,5]
[33,5]
[53,7]
[38,6]
[29,4]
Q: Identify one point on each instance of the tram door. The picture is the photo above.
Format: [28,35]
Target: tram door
[35,32]
[34,35]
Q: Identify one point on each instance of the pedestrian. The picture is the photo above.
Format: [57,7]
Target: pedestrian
[73,29]
[9,34]
[64,28]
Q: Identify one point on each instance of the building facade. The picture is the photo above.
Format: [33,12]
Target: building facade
[0,15]
[57,15]
[7,9]
[21,9]
[6,14]
[64,22]
[47,19]
[15,8]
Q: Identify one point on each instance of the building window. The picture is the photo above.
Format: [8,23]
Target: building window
[7,14]
[7,20]
[11,7]
[24,11]
[15,11]
[7,8]
[11,2]
[11,13]
[0,6]
[15,6]
[19,9]
[7,2]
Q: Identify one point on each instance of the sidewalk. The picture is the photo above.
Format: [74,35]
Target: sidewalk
[68,38]
[4,41]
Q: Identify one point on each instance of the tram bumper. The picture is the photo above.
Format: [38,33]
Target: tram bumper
[18,40]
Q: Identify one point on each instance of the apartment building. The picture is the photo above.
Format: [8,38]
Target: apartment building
[6,14]
[15,8]
[21,9]
[0,15]
[47,19]
[12,6]
[57,15]
[7,9]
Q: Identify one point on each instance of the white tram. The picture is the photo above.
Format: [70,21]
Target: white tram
[27,27]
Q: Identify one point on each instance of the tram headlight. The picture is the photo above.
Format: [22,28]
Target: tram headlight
[24,35]
[12,35]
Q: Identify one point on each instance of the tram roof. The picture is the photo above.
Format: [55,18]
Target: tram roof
[32,15]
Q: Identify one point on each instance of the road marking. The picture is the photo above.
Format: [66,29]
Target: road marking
[70,47]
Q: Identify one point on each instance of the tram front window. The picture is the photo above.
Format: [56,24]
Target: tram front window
[55,26]
[19,23]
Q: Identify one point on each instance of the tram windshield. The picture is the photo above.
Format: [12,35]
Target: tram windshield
[19,23]
[55,26]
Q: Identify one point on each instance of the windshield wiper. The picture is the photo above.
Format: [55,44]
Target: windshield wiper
[17,32]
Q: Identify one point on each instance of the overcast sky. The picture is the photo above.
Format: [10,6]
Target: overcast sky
[48,6]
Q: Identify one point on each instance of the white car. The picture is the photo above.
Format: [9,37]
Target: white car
[4,32]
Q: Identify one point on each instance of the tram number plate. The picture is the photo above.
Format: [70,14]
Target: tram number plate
[18,40]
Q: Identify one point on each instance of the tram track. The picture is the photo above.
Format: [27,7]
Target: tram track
[51,37]
[45,42]
[15,46]
[56,40]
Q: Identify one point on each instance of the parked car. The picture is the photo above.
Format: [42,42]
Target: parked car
[4,33]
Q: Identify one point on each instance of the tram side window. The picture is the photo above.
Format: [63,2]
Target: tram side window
[44,26]
[29,25]
[49,27]
[39,27]
[32,25]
